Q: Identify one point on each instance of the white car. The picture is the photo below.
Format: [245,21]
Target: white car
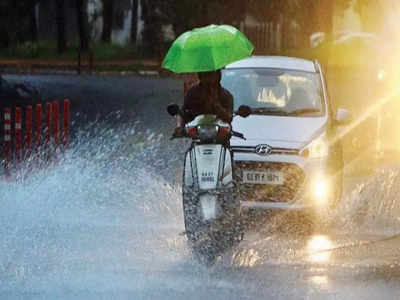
[291,158]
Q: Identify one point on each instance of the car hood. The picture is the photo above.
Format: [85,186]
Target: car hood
[277,131]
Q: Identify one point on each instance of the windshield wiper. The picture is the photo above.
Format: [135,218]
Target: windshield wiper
[268,111]
[303,111]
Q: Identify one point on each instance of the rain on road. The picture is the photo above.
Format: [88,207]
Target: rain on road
[105,221]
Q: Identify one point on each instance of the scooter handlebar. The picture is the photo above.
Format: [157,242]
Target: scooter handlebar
[178,136]
[183,135]
[238,134]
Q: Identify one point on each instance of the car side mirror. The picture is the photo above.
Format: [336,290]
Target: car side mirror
[244,111]
[343,117]
[173,109]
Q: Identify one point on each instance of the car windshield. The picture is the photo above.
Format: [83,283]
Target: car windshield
[275,92]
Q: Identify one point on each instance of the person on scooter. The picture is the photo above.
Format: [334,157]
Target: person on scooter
[208,97]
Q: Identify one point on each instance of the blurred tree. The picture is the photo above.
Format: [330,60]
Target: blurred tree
[61,26]
[372,14]
[15,20]
[83,26]
[18,21]
[153,21]
[134,29]
[316,16]
[4,23]
[308,16]
[272,15]
[186,14]
[322,14]
[33,25]
[108,15]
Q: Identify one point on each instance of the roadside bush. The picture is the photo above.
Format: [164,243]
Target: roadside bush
[47,50]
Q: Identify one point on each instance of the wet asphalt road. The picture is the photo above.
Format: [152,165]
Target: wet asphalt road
[349,259]
[96,98]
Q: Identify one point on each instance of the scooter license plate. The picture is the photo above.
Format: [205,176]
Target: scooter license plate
[266,177]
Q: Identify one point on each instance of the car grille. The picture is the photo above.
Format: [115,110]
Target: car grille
[294,178]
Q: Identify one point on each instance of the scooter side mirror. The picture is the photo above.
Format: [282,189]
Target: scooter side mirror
[173,109]
[244,111]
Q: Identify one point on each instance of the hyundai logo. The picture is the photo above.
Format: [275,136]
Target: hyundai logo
[263,149]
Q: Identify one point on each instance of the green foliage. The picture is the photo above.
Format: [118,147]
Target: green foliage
[30,49]
[187,14]
[315,14]
[47,50]
[307,16]
[106,51]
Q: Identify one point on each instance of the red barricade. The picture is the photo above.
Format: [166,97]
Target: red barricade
[18,133]
[28,129]
[7,137]
[56,122]
[66,118]
[24,144]
[38,127]
[48,123]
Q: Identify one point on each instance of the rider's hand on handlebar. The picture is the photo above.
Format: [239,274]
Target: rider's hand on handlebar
[241,111]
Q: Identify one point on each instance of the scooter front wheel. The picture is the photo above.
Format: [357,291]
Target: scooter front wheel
[210,239]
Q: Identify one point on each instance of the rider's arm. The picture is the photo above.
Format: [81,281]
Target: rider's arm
[223,113]
[190,105]
[188,115]
[180,125]
[225,110]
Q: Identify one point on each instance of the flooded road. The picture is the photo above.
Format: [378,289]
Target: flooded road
[104,221]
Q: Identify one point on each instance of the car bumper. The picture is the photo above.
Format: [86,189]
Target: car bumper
[245,205]
[313,190]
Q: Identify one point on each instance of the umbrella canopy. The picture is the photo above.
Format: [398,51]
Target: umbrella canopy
[207,49]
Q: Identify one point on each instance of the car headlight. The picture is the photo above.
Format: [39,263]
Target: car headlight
[318,148]
[320,189]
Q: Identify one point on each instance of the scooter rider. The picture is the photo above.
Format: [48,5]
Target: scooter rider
[208,97]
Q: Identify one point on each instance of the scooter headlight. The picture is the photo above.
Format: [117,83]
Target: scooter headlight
[207,132]
[319,148]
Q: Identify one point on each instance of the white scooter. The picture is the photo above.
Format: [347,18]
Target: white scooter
[211,207]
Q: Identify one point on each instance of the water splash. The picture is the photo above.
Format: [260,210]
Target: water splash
[104,219]
[105,197]
[373,205]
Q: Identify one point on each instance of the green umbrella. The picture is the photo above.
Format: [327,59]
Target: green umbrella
[207,49]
